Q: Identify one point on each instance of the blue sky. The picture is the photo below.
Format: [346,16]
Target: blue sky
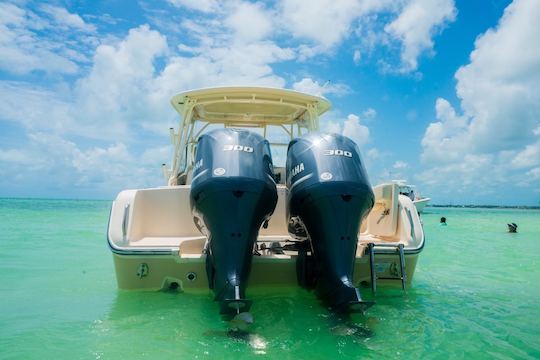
[443,93]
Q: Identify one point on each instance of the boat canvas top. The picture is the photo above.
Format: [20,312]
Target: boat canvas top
[288,112]
[249,105]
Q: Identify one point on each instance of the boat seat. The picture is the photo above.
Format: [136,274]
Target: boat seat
[383,218]
[161,214]
[167,241]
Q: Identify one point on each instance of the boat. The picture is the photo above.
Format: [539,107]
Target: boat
[256,197]
[406,189]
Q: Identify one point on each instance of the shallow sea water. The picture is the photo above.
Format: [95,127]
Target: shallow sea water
[476,294]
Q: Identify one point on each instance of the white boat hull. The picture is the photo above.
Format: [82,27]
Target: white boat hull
[421,204]
[267,271]
[156,246]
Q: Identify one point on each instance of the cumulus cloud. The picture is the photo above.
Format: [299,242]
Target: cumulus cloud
[336,24]
[33,41]
[400,165]
[445,140]
[124,81]
[49,110]
[124,91]
[66,20]
[120,83]
[374,154]
[65,168]
[499,90]
[528,157]
[327,30]
[369,113]
[375,23]
[199,5]
[355,130]
[416,25]
[249,22]
[313,87]
[357,56]
[350,126]
[533,174]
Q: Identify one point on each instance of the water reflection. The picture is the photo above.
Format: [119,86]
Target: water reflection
[190,325]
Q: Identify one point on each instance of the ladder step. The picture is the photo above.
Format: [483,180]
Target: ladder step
[400,252]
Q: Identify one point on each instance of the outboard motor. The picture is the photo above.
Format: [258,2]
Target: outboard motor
[329,196]
[232,194]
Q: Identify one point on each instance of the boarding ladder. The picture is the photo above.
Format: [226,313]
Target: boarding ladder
[374,278]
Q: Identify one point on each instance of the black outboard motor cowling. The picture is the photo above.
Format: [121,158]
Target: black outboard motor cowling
[329,196]
[232,194]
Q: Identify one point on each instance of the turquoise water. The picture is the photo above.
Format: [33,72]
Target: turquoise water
[476,294]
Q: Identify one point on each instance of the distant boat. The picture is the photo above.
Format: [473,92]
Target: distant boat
[409,190]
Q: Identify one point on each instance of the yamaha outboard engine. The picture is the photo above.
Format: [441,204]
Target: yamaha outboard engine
[232,194]
[329,196]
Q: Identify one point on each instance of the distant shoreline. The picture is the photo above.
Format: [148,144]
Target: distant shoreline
[524,207]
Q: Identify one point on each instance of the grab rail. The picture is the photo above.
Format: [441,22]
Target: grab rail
[411,222]
[125,222]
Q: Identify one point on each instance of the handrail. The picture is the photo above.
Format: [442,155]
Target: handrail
[409,215]
[125,222]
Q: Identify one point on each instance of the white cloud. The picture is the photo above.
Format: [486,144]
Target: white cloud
[417,22]
[15,156]
[224,65]
[356,131]
[120,83]
[445,140]
[534,174]
[48,110]
[499,91]
[66,20]
[400,165]
[313,87]
[374,154]
[415,27]
[123,91]
[357,56]
[528,157]
[369,114]
[66,169]
[494,139]
[250,22]
[350,127]
[126,84]
[326,22]
[500,88]
[25,48]
[200,5]
[333,19]
[157,155]
[458,178]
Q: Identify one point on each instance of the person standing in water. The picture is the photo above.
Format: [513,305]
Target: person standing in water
[512,228]
[443,221]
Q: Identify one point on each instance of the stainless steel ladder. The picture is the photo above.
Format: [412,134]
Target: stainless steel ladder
[374,278]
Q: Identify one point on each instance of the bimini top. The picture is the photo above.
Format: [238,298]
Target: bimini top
[248,105]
